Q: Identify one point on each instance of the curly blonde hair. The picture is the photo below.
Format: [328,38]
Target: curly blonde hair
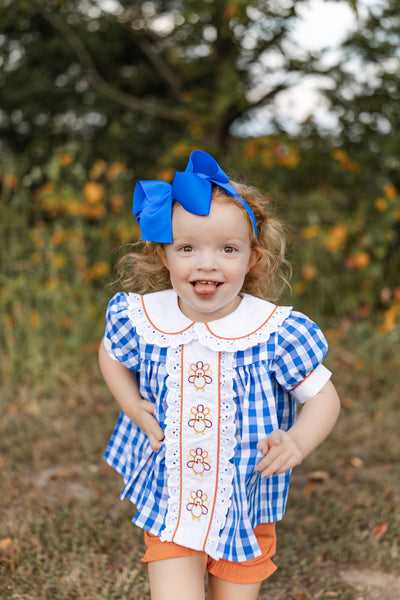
[143,271]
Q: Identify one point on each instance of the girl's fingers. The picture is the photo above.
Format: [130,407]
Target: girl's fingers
[279,464]
[274,439]
[269,458]
[148,406]
[274,467]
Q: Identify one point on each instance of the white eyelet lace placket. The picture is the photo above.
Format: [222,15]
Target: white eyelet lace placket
[200,443]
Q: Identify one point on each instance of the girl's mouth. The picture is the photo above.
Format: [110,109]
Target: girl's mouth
[205,282]
[205,288]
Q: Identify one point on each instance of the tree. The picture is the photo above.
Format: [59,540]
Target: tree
[131,82]
[366,97]
[366,94]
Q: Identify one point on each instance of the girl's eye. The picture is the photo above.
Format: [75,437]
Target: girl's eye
[229,249]
[186,249]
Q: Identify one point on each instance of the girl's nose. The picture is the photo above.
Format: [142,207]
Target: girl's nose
[207,261]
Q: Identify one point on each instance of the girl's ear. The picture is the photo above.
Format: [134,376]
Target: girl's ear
[162,254]
[254,258]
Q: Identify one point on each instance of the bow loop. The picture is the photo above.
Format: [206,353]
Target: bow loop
[152,205]
[192,188]
[206,166]
[192,192]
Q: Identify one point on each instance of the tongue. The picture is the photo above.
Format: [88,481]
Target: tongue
[205,289]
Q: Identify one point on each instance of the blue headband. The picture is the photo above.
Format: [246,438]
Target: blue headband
[152,200]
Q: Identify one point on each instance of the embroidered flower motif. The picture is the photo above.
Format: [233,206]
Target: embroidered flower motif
[199,461]
[198,375]
[198,504]
[201,418]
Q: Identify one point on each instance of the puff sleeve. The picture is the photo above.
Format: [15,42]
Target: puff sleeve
[120,339]
[301,348]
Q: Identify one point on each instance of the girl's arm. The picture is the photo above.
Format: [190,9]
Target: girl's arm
[123,386]
[285,449]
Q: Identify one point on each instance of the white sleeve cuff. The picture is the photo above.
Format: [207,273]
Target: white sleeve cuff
[312,384]
[107,346]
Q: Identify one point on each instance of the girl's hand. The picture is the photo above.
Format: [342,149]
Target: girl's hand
[124,387]
[283,450]
[281,453]
[145,420]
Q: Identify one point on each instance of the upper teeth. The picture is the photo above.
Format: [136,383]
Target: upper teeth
[210,282]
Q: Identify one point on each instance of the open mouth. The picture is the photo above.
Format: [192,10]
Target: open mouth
[205,288]
[205,282]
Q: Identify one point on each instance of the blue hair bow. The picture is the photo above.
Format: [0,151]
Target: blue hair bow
[192,188]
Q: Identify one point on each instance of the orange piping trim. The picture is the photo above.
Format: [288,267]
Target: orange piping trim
[160,330]
[242,336]
[218,448]
[299,384]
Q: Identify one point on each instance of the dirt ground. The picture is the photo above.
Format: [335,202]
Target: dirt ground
[65,535]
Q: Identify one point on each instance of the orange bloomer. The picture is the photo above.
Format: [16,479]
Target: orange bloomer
[250,571]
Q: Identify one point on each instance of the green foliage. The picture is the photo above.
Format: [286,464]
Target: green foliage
[62,232]
[58,241]
[146,76]
[93,100]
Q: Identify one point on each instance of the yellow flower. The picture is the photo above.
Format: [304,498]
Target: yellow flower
[345,161]
[73,208]
[66,159]
[34,319]
[339,155]
[359,260]
[117,203]
[59,237]
[98,168]
[166,175]
[390,191]
[97,271]
[390,317]
[308,272]
[59,260]
[10,181]
[313,231]
[299,288]
[336,238]
[44,190]
[50,284]
[115,169]
[381,204]
[80,263]
[179,149]
[93,212]
[124,233]
[93,192]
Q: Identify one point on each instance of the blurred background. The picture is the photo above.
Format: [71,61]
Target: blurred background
[300,98]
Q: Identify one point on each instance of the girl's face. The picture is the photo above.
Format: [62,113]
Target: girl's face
[208,260]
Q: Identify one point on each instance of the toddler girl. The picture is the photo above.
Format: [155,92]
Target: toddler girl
[207,373]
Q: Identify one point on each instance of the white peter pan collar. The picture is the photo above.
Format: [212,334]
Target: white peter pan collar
[158,318]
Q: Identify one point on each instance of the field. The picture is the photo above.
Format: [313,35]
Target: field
[64,533]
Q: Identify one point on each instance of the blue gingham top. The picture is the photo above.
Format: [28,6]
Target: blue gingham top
[276,354]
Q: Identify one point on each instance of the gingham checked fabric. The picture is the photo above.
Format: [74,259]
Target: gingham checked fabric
[277,362]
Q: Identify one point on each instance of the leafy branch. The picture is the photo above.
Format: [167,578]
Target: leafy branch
[103,87]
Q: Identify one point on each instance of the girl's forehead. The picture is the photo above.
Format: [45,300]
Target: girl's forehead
[224,217]
[217,208]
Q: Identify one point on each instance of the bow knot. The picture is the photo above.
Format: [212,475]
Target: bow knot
[192,188]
